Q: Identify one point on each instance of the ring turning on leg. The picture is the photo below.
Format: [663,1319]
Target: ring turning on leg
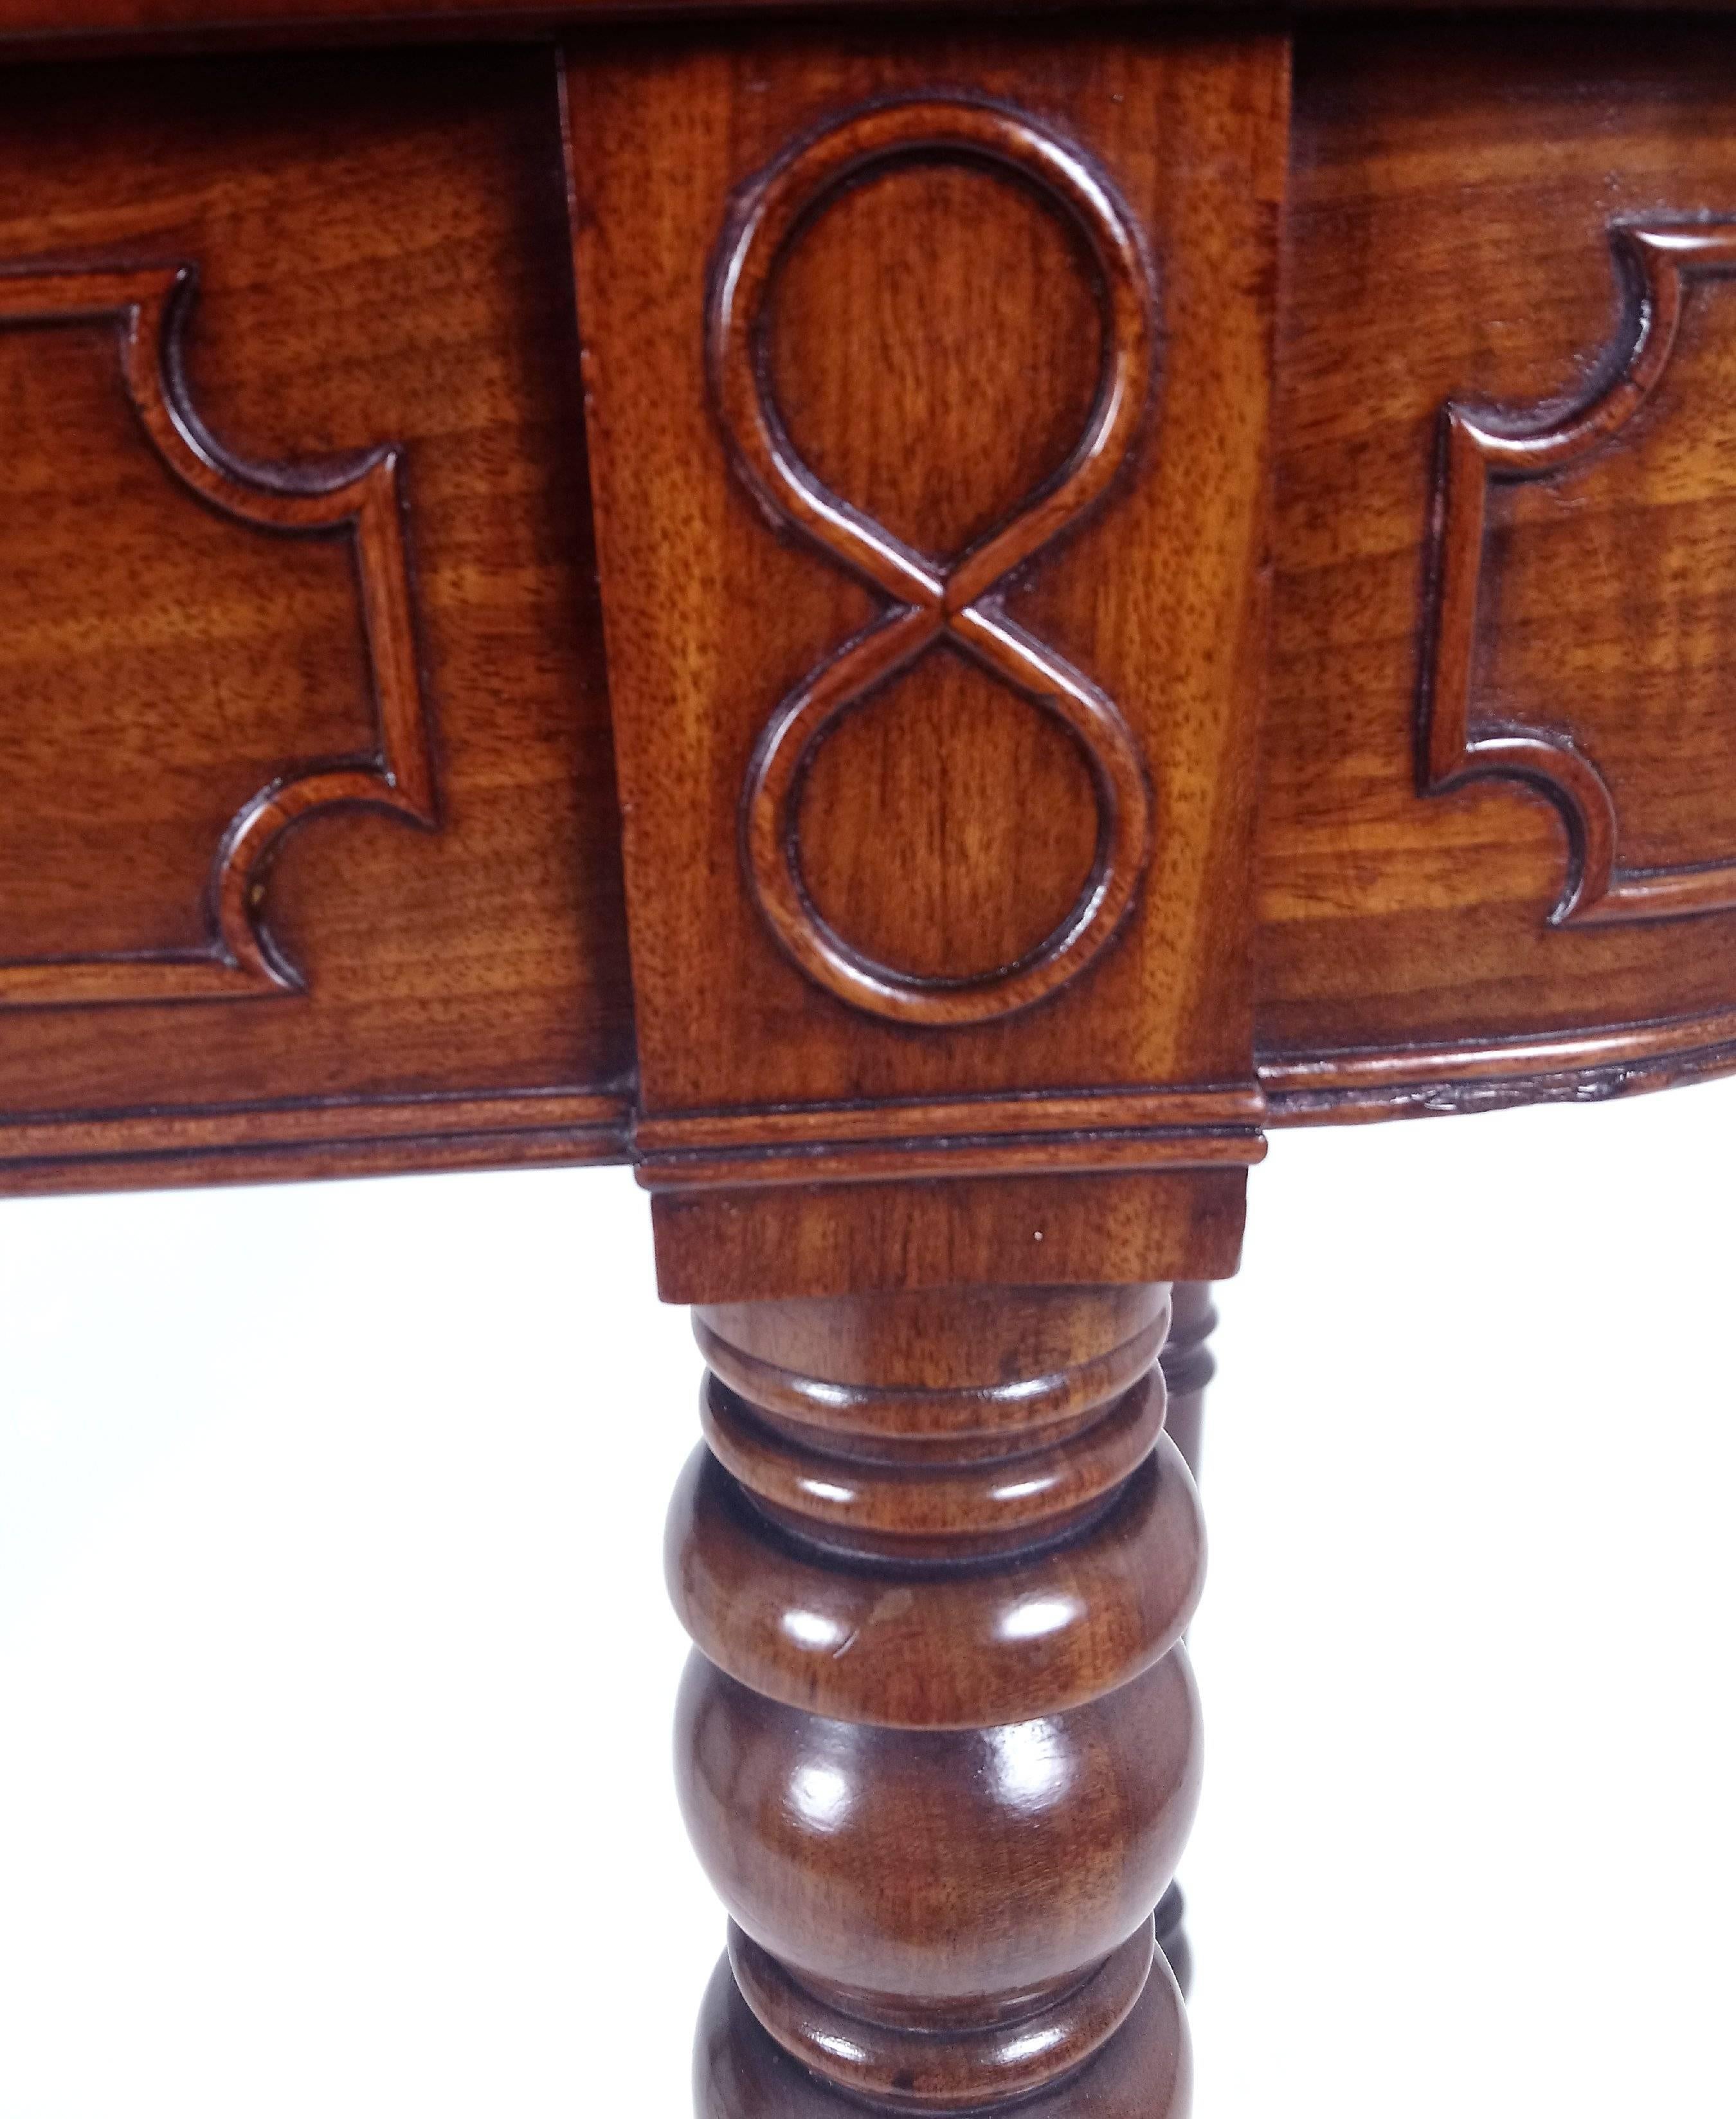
[939,1745]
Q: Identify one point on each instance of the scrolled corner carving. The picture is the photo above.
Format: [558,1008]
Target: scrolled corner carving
[1480,448]
[957,600]
[358,495]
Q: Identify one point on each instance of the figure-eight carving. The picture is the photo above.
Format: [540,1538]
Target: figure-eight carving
[958,600]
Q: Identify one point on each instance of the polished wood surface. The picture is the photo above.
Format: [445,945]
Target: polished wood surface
[1498,742]
[939,1747]
[1485,758]
[309,852]
[920,630]
[893,562]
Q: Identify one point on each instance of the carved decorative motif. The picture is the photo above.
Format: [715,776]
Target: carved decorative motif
[1481,449]
[957,601]
[357,497]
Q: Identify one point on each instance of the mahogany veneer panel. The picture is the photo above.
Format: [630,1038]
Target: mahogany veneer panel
[1455,234]
[381,259]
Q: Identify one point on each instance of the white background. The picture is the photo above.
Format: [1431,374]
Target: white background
[336,1672]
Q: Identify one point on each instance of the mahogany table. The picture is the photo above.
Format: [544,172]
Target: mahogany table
[920,625]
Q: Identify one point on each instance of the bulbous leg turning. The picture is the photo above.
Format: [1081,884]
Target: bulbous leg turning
[939,1744]
[1145,2072]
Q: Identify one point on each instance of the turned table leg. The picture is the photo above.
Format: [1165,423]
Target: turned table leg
[939,1748]
[1188,1367]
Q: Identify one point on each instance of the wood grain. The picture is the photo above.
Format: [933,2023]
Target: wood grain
[976,924]
[1621,462]
[94,791]
[938,603]
[741,2072]
[165,664]
[1455,237]
[734,650]
[939,1747]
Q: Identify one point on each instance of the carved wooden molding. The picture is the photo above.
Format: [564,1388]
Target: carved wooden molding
[1438,1079]
[1482,448]
[342,1136]
[357,496]
[957,600]
[1049,1132]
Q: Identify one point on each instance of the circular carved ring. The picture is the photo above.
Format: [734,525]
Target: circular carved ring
[957,600]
